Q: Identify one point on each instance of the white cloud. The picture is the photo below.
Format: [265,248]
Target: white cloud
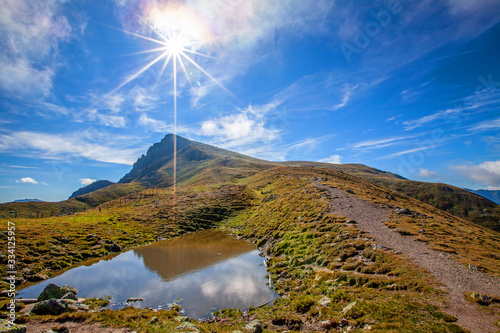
[30,33]
[424,173]
[409,151]
[87,181]
[63,146]
[27,180]
[142,99]
[247,127]
[486,125]
[334,159]
[486,173]
[112,121]
[347,95]
[152,124]
[114,102]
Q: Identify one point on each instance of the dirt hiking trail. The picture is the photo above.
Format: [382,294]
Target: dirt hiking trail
[456,277]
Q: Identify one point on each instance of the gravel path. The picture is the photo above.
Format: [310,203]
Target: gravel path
[456,277]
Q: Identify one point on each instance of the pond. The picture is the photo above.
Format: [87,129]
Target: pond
[202,272]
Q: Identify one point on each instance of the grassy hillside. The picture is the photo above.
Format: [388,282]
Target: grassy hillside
[40,209]
[326,269]
[110,192]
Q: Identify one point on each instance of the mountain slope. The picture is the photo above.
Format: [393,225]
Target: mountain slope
[203,164]
[91,188]
[196,162]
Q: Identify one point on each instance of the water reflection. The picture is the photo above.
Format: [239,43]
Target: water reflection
[206,270]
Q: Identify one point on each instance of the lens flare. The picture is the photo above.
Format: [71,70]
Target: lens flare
[179,35]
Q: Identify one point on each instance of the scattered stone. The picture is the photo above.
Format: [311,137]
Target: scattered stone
[37,277]
[187,327]
[325,301]
[238,331]
[422,231]
[113,247]
[351,222]
[328,324]
[270,197]
[343,322]
[350,191]
[349,306]
[132,300]
[181,318]
[53,291]
[255,326]
[403,211]
[60,329]
[7,327]
[154,320]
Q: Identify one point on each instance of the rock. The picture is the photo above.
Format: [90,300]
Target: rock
[38,277]
[57,306]
[53,291]
[270,197]
[403,211]
[255,326]
[132,300]
[351,222]
[343,322]
[70,295]
[50,307]
[349,306]
[328,324]
[187,327]
[154,320]
[325,301]
[181,318]
[113,247]
[5,326]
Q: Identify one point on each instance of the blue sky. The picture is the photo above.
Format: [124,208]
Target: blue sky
[411,87]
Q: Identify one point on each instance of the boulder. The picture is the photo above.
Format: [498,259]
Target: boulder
[57,306]
[187,327]
[50,307]
[255,326]
[113,247]
[7,327]
[53,291]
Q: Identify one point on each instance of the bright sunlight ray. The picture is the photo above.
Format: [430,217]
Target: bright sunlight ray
[174,44]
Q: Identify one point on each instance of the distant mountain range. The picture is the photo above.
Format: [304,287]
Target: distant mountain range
[493,195]
[28,200]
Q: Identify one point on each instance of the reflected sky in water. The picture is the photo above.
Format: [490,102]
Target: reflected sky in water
[207,270]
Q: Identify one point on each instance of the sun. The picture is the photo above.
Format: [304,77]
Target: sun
[179,36]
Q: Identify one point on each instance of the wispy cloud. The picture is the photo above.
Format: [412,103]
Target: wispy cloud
[60,146]
[369,145]
[470,104]
[486,125]
[405,152]
[152,124]
[31,33]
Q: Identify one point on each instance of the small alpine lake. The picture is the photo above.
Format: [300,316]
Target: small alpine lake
[202,272]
